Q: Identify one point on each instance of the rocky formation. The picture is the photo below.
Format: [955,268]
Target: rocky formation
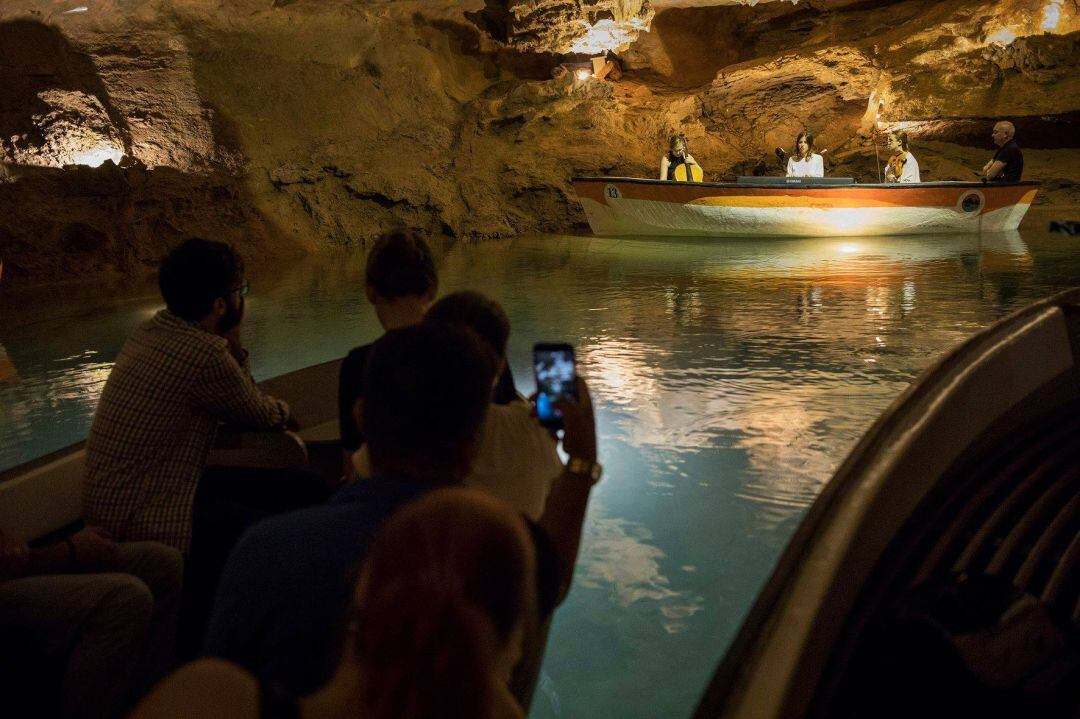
[289,126]
[566,26]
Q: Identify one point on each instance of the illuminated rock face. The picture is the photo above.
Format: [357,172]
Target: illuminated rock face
[570,26]
[319,123]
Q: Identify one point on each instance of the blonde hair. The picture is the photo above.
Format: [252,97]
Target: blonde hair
[677,140]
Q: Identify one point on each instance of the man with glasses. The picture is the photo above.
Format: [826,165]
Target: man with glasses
[179,376]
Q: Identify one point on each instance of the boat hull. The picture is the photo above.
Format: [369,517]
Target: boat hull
[619,207]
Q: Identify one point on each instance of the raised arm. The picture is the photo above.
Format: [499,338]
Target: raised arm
[564,513]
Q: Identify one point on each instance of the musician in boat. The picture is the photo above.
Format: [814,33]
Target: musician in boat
[804,162]
[678,164]
[902,167]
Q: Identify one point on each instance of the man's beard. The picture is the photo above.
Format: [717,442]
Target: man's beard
[232,317]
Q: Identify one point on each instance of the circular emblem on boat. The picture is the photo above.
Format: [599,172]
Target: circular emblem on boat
[611,192]
[971,201]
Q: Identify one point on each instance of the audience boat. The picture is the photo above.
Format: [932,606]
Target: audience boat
[972,470]
[799,207]
[970,477]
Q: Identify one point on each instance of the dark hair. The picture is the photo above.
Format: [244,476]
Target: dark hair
[481,314]
[809,145]
[400,265]
[197,272]
[903,138]
[426,392]
[446,582]
[676,139]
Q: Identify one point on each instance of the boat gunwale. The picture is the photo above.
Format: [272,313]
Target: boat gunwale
[942,184]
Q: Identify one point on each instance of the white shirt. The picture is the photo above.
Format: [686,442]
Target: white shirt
[516,461]
[813,166]
[910,172]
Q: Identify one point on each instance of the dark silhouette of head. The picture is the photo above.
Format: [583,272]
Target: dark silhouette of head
[400,265]
[479,313]
[196,274]
[445,596]
[426,392]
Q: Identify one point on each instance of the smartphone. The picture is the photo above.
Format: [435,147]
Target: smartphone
[556,377]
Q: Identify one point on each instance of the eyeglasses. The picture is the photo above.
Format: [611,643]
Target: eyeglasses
[243,289]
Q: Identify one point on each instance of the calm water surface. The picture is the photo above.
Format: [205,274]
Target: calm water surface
[730,378]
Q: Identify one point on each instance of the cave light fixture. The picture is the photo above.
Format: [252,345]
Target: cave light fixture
[582,74]
[77,10]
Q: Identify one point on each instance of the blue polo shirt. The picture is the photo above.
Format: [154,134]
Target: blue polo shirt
[284,594]
[282,602]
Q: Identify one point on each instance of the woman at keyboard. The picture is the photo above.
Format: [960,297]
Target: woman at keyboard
[804,162]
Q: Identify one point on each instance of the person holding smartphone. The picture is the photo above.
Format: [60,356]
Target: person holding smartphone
[516,460]
[427,392]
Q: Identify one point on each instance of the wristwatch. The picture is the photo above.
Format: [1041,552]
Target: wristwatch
[585,468]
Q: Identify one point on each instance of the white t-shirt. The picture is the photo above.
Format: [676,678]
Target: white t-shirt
[909,173]
[516,461]
[812,166]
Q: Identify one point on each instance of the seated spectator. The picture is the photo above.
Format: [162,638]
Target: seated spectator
[516,460]
[427,390]
[440,613]
[102,614]
[400,282]
[178,376]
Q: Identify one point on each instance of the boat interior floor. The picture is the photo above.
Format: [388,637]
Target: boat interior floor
[975,608]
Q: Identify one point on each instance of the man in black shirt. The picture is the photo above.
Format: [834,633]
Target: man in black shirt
[401,282]
[1008,163]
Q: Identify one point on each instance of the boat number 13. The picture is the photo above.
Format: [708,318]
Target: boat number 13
[612,192]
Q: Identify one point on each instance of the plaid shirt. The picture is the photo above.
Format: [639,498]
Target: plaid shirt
[172,384]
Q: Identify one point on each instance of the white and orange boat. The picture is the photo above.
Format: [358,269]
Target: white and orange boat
[799,207]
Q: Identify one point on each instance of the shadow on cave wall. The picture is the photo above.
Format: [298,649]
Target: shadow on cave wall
[79,221]
[34,58]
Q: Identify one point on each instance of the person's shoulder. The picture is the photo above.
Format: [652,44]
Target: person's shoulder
[359,354]
[208,688]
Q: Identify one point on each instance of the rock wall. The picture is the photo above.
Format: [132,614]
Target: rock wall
[286,127]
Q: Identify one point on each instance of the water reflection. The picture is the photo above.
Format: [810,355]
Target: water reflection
[730,378]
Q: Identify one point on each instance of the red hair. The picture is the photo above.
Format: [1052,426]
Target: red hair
[446,584]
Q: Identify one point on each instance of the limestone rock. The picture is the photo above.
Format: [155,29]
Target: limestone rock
[569,26]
